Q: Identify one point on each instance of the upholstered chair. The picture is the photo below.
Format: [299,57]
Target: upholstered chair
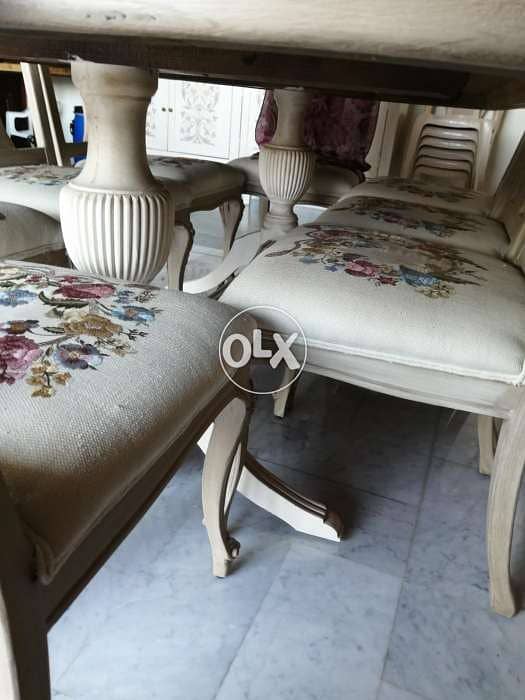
[419,302]
[105,386]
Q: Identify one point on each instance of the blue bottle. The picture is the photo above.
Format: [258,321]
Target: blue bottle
[77,128]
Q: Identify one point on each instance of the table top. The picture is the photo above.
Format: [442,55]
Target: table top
[470,52]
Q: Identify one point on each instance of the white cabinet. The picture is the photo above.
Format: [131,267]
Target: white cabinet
[202,120]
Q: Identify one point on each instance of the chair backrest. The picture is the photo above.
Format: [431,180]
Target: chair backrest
[9,155]
[339,130]
[42,102]
[508,204]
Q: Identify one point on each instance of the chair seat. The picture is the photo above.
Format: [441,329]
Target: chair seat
[103,378]
[421,192]
[329,182]
[25,233]
[430,223]
[204,178]
[383,296]
[38,187]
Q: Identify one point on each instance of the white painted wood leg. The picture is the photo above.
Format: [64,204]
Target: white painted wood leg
[269,492]
[504,488]
[487,440]
[243,251]
[117,219]
[226,448]
[283,398]
[231,214]
[286,165]
[304,514]
[182,242]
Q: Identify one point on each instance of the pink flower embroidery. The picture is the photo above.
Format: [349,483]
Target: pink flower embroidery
[16,355]
[86,290]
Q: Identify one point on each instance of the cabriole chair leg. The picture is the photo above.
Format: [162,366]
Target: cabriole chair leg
[225,453]
[231,214]
[503,496]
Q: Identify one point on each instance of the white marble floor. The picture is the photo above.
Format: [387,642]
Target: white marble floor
[397,611]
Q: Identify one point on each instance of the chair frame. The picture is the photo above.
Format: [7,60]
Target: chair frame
[28,608]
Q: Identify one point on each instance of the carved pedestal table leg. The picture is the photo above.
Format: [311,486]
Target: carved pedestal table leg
[117,219]
[286,165]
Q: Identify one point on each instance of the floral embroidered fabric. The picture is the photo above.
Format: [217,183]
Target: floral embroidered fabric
[53,324]
[440,222]
[338,129]
[386,259]
[48,175]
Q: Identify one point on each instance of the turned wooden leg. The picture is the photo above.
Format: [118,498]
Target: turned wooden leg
[286,165]
[503,495]
[283,397]
[487,440]
[117,219]
[181,245]
[226,449]
[231,214]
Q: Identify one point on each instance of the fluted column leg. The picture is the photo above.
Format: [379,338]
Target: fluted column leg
[117,219]
[286,165]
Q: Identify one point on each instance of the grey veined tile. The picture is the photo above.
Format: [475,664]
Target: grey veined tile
[450,540]
[321,633]
[448,645]
[457,437]
[390,692]
[154,622]
[378,531]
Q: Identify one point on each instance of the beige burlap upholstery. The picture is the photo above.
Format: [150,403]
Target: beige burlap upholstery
[97,379]
[38,187]
[203,178]
[415,220]
[384,296]
[26,233]
[424,192]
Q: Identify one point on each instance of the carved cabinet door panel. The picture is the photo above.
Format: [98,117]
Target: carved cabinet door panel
[157,119]
[201,121]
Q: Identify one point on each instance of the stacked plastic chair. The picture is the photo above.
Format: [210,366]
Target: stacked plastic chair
[451,146]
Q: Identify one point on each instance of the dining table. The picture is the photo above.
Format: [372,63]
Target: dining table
[118,217]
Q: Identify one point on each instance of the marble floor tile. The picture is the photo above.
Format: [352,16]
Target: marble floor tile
[154,614]
[378,531]
[402,423]
[373,464]
[448,645]
[457,437]
[450,538]
[387,691]
[320,634]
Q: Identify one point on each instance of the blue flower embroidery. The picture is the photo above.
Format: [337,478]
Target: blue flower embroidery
[139,314]
[78,355]
[16,297]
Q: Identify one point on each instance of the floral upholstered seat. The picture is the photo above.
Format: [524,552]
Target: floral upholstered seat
[421,192]
[27,233]
[382,296]
[203,178]
[97,380]
[38,187]
[429,222]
